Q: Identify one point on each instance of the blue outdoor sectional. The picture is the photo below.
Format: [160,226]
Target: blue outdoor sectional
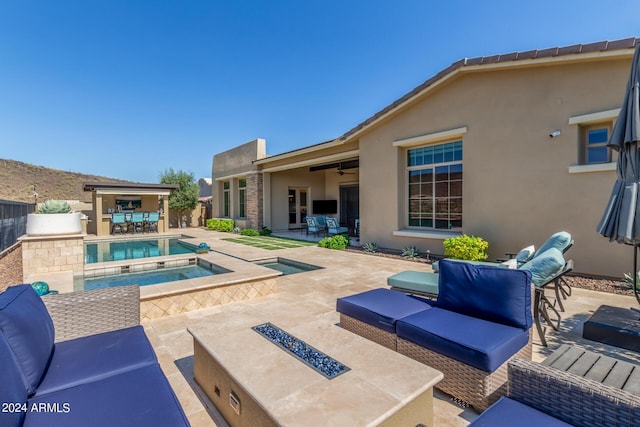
[480,320]
[111,378]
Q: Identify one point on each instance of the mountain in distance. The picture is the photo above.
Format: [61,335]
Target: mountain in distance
[17,179]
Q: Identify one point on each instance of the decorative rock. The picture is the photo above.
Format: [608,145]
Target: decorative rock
[316,359]
[41,288]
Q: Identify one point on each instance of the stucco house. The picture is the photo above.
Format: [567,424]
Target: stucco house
[511,148]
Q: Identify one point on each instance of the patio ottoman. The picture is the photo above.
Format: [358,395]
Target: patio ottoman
[373,314]
[415,282]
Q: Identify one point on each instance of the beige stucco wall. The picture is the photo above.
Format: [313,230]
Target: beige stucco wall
[517,188]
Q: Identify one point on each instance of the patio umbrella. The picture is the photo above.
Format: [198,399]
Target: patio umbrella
[621,219]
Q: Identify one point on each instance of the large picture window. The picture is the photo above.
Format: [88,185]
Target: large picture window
[435,186]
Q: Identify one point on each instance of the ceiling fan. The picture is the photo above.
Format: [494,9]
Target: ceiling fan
[341,172]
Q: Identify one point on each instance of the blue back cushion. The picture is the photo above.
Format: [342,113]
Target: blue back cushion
[496,294]
[545,266]
[12,387]
[560,240]
[28,330]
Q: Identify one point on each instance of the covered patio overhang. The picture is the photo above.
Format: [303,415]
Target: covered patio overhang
[293,181]
[109,197]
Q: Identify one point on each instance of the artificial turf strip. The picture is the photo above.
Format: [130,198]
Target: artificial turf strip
[270,243]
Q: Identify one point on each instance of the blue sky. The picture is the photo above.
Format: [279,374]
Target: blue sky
[126,89]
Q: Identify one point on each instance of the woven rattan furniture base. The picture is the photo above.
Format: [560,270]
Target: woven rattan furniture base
[83,313]
[365,330]
[572,398]
[478,388]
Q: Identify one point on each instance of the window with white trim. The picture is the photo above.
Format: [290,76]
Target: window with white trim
[435,186]
[594,144]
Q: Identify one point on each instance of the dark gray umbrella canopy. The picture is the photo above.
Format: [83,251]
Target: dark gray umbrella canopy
[621,220]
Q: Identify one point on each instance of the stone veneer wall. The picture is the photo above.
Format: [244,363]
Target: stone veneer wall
[255,200]
[46,254]
[167,305]
[11,267]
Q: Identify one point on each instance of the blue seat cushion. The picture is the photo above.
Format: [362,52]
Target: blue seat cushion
[476,342]
[381,307]
[92,358]
[545,266]
[28,329]
[507,412]
[496,294]
[141,397]
[13,390]
[418,281]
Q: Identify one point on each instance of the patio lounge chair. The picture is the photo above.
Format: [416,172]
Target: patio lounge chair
[547,270]
[333,227]
[313,225]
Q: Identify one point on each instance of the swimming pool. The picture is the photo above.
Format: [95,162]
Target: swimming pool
[111,250]
[150,277]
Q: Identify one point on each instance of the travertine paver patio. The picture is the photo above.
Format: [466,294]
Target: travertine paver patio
[315,293]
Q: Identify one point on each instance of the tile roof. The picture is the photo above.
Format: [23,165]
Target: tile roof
[601,46]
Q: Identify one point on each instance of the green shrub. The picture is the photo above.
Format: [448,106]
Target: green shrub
[54,207]
[370,248]
[220,224]
[410,252]
[628,279]
[334,242]
[249,232]
[466,247]
[265,231]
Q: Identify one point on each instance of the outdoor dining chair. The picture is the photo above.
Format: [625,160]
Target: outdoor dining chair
[117,222]
[152,221]
[137,220]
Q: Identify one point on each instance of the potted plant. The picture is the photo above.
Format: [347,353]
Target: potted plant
[53,217]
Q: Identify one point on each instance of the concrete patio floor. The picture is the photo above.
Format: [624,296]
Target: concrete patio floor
[314,294]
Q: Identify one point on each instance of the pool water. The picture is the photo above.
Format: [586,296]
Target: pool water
[133,249]
[145,278]
[287,266]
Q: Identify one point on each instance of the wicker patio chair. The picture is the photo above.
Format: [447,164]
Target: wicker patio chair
[470,385]
[571,398]
[83,313]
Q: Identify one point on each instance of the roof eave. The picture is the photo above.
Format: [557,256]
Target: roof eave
[576,53]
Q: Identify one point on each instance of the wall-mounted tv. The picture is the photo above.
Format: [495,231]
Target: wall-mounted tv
[323,207]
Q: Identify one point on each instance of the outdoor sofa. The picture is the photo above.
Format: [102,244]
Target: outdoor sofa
[80,359]
[481,320]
